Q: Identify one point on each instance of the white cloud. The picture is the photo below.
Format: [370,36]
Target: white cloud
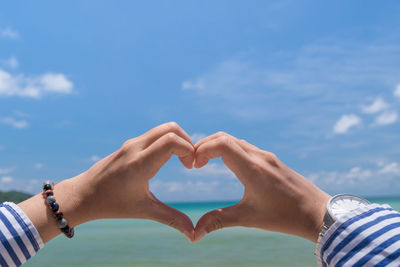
[18,124]
[228,80]
[211,169]
[195,190]
[21,114]
[6,170]
[391,168]
[95,158]
[9,33]
[397,91]
[170,187]
[370,181]
[11,62]
[386,118]
[233,87]
[311,77]
[346,122]
[8,183]
[197,137]
[378,105]
[58,83]
[6,179]
[33,87]
[183,187]
[193,85]
[38,165]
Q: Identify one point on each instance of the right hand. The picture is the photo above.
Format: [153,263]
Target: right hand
[119,182]
[275,198]
[118,185]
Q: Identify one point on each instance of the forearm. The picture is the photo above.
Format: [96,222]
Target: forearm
[67,194]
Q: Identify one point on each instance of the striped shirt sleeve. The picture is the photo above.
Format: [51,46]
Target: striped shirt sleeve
[19,238]
[368,237]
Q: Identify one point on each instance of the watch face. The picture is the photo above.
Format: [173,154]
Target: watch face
[345,203]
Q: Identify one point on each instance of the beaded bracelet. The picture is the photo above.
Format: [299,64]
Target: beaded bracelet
[62,223]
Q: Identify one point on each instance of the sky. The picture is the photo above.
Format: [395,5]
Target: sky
[316,83]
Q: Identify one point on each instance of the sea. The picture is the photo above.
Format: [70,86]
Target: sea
[129,242]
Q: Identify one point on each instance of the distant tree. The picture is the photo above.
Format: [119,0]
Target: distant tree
[13,196]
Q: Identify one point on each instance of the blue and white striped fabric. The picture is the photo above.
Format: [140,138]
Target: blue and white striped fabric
[19,238]
[368,237]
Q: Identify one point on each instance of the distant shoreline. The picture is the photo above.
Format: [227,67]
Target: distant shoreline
[370,198]
[18,196]
[14,196]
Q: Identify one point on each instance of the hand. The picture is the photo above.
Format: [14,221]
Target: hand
[117,186]
[275,198]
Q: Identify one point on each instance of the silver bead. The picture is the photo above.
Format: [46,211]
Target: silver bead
[62,223]
[50,199]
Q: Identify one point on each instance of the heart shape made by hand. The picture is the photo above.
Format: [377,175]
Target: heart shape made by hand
[275,198]
[270,201]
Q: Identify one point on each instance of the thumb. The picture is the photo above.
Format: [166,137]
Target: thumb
[218,219]
[167,215]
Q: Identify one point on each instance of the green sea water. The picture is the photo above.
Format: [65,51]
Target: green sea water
[146,243]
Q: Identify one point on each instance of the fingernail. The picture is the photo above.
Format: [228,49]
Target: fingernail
[189,236]
[188,162]
[197,163]
[199,235]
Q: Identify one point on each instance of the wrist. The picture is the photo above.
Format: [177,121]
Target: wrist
[318,210]
[309,208]
[71,199]
[70,204]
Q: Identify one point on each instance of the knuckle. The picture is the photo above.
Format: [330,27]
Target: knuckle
[172,222]
[171,138]
[136,163]
[271,158]
[124,149]
[172,126]
[220,133]
[176,220]
[129,143]
[126,144]
[214,225]
[224,141]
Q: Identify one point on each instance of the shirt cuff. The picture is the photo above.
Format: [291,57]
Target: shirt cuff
[343,227]
[20,214]
[19,239]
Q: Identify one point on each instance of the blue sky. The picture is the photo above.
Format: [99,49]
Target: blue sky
[316,83]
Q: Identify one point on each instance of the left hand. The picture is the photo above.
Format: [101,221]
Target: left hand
[118,185]
[276,198]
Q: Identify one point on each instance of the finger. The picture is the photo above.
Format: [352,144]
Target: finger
[258,154]
[247,146]
[204,150]
[211,137]
[207,138]
[159,131]
[243,144]
[218,219]
[167,215]
[158,153]
[234,157]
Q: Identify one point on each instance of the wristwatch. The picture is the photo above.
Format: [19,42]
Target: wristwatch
[337,207]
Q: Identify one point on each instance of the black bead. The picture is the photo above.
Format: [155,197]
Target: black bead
[59,216]
[54,206]
[47,187]
[65,230]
